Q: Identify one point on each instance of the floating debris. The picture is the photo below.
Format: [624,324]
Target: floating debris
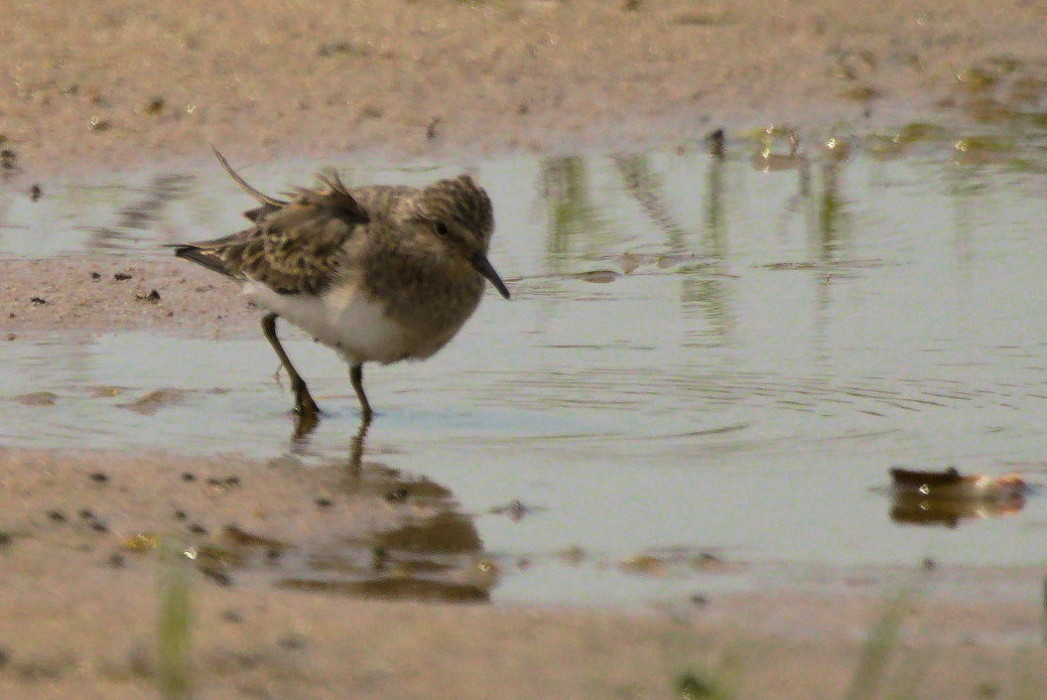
[572,555]
[950,484]
[771,157]
[514,509]
[836,148]
[947,497]
[676,561]
[631,261]
[37,398]
[104,392]
[598,276]
[154,400]
[644,564]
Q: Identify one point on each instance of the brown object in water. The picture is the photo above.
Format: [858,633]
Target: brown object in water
[950,484]
[947,497]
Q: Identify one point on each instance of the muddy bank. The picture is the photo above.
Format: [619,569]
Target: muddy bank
[84,582]
[104,294]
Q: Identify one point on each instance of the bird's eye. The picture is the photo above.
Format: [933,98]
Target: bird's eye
[441,229]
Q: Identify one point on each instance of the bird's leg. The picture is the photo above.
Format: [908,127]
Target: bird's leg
[356,376]
[303,400]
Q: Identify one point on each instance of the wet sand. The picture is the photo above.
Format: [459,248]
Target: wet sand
[110,84]
[79,614]
[114,83]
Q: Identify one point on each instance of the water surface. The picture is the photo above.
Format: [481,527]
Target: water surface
[723,356]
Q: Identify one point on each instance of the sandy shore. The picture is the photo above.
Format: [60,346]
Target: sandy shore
[111,83]
[78,617]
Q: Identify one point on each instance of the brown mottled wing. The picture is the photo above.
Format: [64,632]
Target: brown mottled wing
[293,246]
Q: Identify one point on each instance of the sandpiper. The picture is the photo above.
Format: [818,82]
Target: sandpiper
[379,273]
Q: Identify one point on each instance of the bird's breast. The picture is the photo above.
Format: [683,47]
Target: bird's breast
[345,318]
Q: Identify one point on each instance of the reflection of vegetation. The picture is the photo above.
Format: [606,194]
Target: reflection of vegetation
[698,289]
[643,186]
[715,210]
[831,213]
[565,189]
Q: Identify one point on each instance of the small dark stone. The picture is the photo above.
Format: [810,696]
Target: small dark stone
[86,514]
[197,529]
[99,526]
[323,502]
[100,477]
[188,476]
[699,600]
[121,276]
[56,516]
[117,560]
[180,515]
[154,106]
[35,193]
[219,577]
[96,275]
[214,481]
[38,300]
[929,564]
[232,480]
[5,539]
[272,554]
[8,159]
[397,494]
[152,297]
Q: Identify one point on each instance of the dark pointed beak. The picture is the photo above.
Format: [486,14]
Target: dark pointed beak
[483,266]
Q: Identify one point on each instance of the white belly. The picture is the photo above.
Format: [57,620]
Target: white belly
[344,319]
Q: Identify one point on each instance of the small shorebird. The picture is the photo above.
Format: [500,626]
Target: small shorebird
[379,273]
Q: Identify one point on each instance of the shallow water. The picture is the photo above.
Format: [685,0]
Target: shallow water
[718,356]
